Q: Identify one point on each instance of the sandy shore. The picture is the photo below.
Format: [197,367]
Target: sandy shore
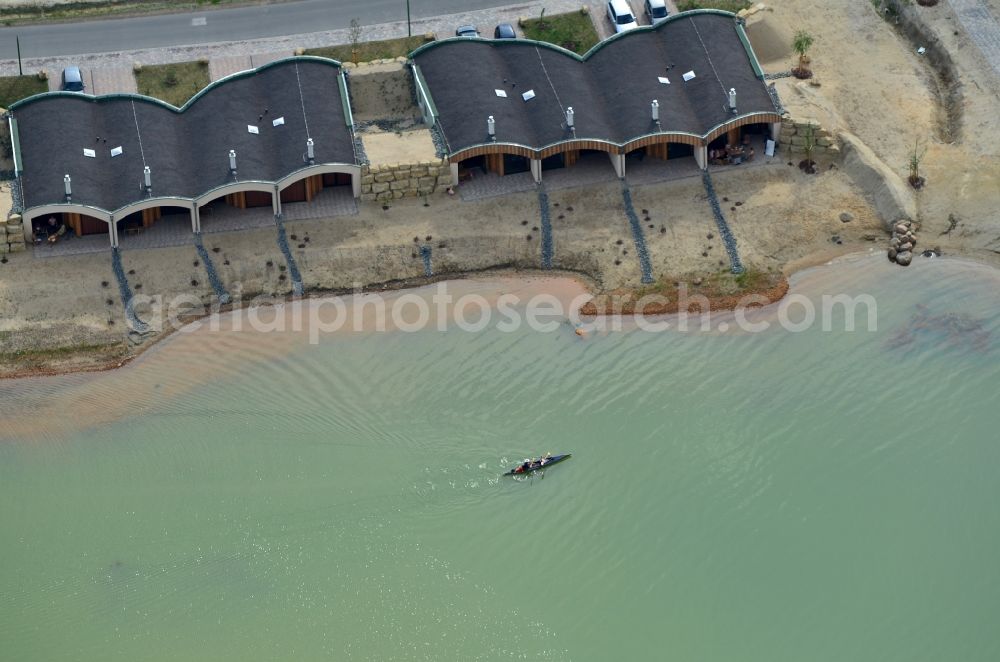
[64,315]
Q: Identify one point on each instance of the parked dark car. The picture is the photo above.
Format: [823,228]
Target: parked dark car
[72,79]
[504,31]
[467,31]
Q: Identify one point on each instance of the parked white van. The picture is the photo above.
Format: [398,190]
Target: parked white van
[656,11]
[620,14]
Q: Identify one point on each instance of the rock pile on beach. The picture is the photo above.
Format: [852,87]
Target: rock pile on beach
[11,235]
[902,243]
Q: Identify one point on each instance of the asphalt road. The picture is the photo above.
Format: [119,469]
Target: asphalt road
[300,16]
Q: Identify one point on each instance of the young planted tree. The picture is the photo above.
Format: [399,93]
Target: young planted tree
[916,156]
[354,34]
[801,44]
[808,166]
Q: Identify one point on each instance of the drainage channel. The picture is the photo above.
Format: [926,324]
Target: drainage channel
[735,265]
[425,253]
[213,275]
[293,268]
[125,291]
[637,235]
[546,214]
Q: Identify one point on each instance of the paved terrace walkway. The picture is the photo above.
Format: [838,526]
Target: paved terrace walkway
[983,28]
[593,169]
[175,229]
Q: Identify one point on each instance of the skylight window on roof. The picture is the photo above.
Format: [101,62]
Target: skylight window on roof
[116,151]
[89,153]
[529,95]
[278,121]
[688,76]
[501,93]
[664,80]
[252,129]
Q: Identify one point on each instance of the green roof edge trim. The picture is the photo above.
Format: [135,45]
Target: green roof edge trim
[582,58]
[754,63]
[15,143]
[345,100]
[153,100]
[422,86]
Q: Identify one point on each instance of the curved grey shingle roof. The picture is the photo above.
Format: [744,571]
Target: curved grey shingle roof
[610,89]
[187,149]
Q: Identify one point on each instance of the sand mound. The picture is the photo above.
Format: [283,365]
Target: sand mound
[771,41]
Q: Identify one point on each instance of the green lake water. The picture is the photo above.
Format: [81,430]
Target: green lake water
[821,496]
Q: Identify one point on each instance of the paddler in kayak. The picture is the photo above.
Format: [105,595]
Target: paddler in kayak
[530,463]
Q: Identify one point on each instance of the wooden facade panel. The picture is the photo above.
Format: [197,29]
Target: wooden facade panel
[494,163]
[336,179]
[150,216]
[294,192]
[659,151]
[238,200]
[611,148]
[576,146]
[662,139]
[257,198]
[91,225]
[73,221]
[757,118]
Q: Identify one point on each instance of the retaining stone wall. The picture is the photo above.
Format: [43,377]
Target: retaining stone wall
[793,138]
[404,180]
[11,235]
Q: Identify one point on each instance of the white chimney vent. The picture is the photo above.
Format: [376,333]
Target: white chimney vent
[232,160]
[655,106]
[68,184]
[491,127]
[569,117]
[147,178]
[310,151]
[732,99]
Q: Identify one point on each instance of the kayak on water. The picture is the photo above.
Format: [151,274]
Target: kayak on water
[533,465]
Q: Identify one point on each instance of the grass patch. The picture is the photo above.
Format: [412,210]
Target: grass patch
[726,5]
[80,9]
[173,83]
[715,285]
[15,88]
[722,290]
[370,50]
[49,358]
[573,31]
